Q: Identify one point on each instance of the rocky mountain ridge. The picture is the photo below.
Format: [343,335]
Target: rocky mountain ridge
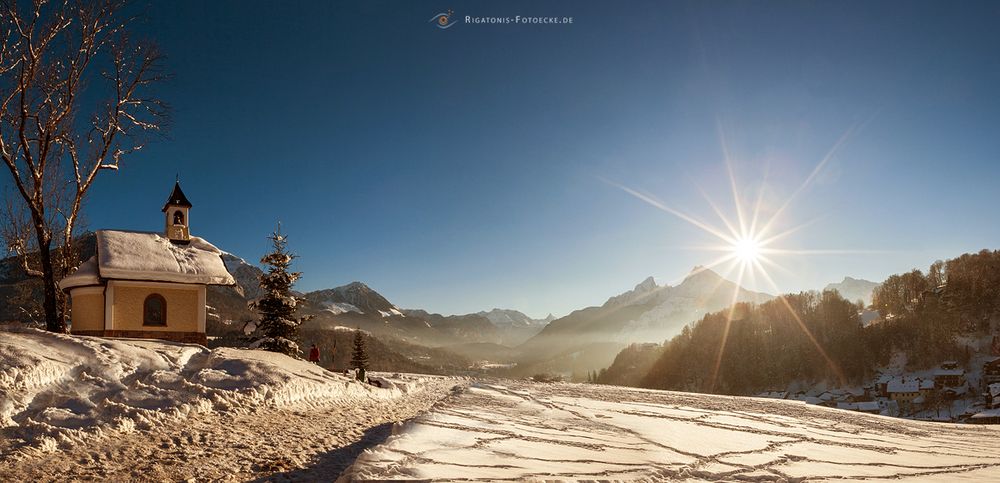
[854,289]
[588,339]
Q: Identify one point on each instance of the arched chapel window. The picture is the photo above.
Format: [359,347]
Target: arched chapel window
[178,217]
[154,310]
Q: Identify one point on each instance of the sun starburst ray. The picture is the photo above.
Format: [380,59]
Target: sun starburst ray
[792,251]
[727,160]
[817,170]
[707,248]
[661,206]
[725,330]
[760,199]
[805,330]
[725,220]
[713,264]
[775,265]
[784,234]
[736,200]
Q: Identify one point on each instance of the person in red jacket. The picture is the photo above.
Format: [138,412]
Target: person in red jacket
[314,354]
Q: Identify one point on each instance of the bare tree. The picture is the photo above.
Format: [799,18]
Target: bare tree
[52,142]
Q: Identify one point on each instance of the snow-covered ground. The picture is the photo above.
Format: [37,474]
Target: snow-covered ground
[82,408]
[274,444]
[557,431]
[59,392]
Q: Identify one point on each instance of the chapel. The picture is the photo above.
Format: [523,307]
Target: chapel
[147,284]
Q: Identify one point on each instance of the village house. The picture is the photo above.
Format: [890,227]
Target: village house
[991,372]
[882,385]
[905,393]
[989,416]
[949,375]
[953,393]
[145,284]
[869,407]
[857,394]
[992,395]
[926,387]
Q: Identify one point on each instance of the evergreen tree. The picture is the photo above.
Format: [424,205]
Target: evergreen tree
[359,359]
[277,329]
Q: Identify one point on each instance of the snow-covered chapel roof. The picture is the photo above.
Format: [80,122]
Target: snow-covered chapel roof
[131,255]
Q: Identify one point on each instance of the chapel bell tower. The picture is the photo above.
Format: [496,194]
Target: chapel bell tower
[176,212]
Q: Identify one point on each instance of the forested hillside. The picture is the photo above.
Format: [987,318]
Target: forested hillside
[631,365]
[814,337]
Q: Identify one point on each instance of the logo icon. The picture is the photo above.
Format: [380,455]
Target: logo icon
[443,19]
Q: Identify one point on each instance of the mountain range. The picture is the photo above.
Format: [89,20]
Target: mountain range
[588,339]
[358,306]
[585,340]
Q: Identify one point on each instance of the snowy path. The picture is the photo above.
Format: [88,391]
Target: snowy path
[314,444]
[527,431]
[86,408]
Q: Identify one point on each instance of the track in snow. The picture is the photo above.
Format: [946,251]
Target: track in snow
[273,444]
[524,431]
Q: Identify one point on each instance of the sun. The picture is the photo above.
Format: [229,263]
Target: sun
[747,250]
[750,245]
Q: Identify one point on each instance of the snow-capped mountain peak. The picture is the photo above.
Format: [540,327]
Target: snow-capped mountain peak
[702,274]
[353,297]
[247,276]
[647,313]
[641,290]
[647,285]
[511,318]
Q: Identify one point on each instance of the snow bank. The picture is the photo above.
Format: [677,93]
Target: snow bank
[58,389]
[405,383]
[525,431]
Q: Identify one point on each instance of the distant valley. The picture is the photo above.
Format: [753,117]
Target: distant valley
[504,341]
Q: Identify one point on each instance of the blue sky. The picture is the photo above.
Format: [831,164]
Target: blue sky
[464,169]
